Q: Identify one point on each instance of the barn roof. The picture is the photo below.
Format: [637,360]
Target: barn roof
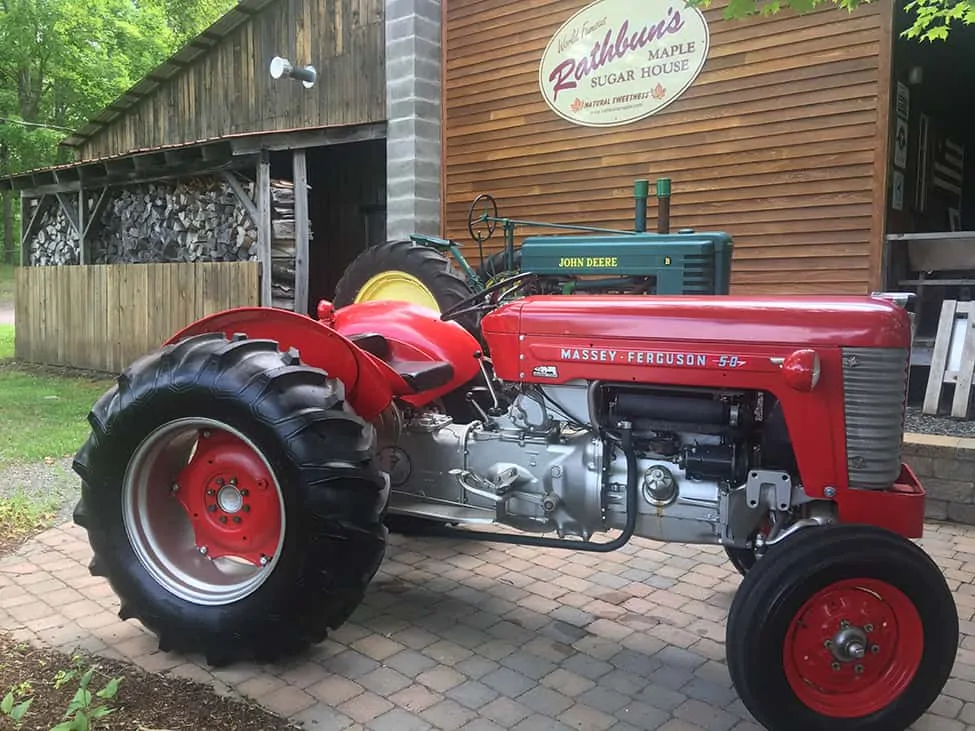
[186,56]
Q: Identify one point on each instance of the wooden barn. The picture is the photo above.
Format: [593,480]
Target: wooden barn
[218,181]
[828,146]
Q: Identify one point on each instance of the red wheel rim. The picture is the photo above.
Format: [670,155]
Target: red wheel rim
[822,652]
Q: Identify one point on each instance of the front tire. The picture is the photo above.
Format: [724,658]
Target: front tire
[841,628]
[232,503]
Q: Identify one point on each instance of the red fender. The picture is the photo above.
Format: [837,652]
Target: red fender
[370,384]
[414,333]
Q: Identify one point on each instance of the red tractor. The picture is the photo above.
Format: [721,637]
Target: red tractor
[238,482]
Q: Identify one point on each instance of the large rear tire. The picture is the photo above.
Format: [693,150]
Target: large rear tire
[405,271]
[232,503]
[841,628]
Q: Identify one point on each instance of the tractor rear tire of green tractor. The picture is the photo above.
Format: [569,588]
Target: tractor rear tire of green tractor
[232,503]
[405,271]
[841,628]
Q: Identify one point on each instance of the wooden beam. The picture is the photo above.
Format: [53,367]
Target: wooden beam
[71,215]
[96,212]
[245,200]
[301,231]
[263,194]
[24,224]
[83,257]
[38,189]
[310,138]
[35,223]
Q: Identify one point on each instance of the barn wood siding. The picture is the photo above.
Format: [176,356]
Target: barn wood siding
[229,90]
[781,140]
[102,317]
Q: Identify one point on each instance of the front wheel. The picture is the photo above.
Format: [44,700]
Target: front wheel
[842,628]
[232,503]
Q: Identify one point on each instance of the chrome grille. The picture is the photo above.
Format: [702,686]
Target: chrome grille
[874,392]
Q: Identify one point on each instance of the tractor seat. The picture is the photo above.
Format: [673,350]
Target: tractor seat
[419,375]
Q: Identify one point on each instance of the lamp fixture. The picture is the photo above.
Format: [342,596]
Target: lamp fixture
[282,67]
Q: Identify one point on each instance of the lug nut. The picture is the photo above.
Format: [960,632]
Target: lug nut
[858,669]
[212,508]
[246,508]
[844,624]
[220,482]
[245,492]
[236,519]
[211,493]
[868,628]
[874,649]
[223,518]
[233,481]
[836,666]
[828,643]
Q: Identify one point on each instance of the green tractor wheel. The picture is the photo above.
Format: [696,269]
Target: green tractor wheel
[405,271]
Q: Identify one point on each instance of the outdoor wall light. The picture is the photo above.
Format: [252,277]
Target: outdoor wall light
[282,67]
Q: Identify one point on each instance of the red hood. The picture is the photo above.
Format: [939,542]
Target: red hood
[789,320]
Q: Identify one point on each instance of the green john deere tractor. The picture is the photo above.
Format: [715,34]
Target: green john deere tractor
[433,272]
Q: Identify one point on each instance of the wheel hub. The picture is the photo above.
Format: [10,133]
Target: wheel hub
[233,512]
[230,499]
[209,529]
[853,647]
[849,644]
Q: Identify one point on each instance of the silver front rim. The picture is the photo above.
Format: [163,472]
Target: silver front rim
[192,538]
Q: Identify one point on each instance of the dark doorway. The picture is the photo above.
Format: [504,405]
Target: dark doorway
[347,207]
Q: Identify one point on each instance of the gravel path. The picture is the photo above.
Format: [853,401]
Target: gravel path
[920,423]
[42,480]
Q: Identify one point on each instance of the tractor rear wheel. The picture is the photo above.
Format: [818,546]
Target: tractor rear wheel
[405,271]
[232,503]
[842,628]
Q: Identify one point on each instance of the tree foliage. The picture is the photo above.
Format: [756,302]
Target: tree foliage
[63,60]
[932,20]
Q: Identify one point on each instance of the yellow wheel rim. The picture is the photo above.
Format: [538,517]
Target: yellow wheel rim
[398,286]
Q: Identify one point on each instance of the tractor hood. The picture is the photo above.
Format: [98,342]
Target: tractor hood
[784,320]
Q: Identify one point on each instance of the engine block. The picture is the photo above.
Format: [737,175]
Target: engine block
[545,465]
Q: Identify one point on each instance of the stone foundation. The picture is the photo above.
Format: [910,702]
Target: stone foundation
[946,468]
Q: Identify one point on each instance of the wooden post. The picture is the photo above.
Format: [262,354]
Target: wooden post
[82,217]
[301,232]
[24,225]
[263,195]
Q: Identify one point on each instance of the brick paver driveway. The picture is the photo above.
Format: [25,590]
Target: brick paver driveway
[483,637]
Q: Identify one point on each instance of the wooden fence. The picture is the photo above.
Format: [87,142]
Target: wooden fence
[102,317]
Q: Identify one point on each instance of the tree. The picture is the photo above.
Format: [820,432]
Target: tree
[63,60]
[933,19]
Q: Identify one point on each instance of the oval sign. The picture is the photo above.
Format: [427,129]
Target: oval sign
[617,61]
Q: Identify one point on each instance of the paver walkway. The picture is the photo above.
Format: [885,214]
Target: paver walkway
[483,637]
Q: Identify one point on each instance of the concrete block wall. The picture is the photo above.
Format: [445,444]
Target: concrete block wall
[413,113]
[946,468]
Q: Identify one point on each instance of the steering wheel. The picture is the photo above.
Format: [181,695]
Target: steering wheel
[470,304]
[490,210]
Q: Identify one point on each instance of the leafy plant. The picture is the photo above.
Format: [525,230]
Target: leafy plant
[84,707]
[13,710]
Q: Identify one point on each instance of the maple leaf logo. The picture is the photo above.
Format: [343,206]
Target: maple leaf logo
[658,92]
[576,105]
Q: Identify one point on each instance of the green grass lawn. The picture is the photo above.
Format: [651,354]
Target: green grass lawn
[42,413]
